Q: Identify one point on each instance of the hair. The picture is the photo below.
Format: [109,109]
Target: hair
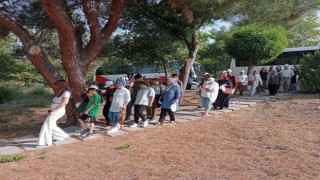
[145,83]
[62,86]
[174,75]
[137,76]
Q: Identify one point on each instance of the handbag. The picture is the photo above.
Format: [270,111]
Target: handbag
[228,91]
[81,106]
[250,83]
[121,118]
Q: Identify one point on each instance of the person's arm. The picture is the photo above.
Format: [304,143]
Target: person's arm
[177,94]
[96,102]
[63,103]
[126,100]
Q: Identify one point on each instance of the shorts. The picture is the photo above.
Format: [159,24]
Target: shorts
[87,119]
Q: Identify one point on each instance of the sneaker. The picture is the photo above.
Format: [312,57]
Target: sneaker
[84,133]
[89,135]
[173,122]
[153,120]
[134,125]
[159,123]
[112,130]
[145,123]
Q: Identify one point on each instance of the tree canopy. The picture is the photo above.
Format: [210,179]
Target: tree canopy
[256,44]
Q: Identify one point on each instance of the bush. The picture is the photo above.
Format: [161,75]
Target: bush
[310,73]
[8,92]
[15,158]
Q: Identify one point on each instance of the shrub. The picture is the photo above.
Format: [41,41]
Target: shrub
[8,92]
[310,73]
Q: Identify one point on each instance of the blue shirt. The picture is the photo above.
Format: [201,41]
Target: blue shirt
[170,95]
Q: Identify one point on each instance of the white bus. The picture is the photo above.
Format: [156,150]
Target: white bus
[289,56]
[149,72]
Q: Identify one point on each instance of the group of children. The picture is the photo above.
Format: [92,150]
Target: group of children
[120,100]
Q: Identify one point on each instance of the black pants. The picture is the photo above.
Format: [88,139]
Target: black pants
[163,115]
[273,88]
[138,112]
[106,112]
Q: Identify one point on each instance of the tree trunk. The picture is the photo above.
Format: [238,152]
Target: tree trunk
[250,66]
[193,48]
[76,56]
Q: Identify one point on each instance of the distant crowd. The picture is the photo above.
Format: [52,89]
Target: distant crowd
[126,93]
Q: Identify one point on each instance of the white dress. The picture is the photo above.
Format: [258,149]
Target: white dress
[49,129]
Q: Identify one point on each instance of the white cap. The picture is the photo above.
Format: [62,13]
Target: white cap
[107,84]
[94,87]
[224,71]
[205,73]
[229,70]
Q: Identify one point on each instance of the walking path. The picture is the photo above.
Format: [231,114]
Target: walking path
[29,142]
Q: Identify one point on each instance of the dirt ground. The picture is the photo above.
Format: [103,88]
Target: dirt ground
[279,139]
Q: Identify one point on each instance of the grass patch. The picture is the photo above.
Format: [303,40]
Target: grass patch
[20,127]
[300,121]
[124,146]
[15,158]
[279,171]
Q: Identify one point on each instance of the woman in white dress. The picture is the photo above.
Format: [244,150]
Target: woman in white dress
[49,129]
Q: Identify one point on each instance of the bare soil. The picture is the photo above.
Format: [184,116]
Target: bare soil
[279,139]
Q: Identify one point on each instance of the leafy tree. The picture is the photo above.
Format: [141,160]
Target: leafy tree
[256,45]
[82,28]
[306,33]
[310,73]
[213,54]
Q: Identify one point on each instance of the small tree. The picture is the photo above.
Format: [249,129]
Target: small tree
[310,73]
[256,45]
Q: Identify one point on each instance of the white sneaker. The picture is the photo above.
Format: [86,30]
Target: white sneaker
[134,125]
[153,120]
[112,130]
[145,123]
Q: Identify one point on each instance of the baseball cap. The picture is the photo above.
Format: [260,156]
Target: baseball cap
[93,87]
[107,84]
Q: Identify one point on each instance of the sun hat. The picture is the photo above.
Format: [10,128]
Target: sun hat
[107,84]
[93,87]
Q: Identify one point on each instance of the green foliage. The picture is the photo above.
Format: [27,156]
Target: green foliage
[14,158]
[258,44]
[310,73]
[9,92]
[124,146]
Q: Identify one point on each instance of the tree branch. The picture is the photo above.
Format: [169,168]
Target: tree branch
[38,58]
[97,39]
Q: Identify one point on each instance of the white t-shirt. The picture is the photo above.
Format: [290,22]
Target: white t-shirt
[120,97]
[58,100]
[144,95]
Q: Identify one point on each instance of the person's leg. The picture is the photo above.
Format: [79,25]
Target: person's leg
[129,108]
[136,113]
[281,86]
[172,115]
[141,109]
[206,104]
[149,112]
[91,128]
[163,115]
[288,81]
[253,90]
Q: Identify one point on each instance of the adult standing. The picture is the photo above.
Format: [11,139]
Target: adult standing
[264,75]
[108,94]
[232,78]
[286,75]
[242,82]
[223,99]
[170,99]
[133,91]
[209,93]
[253,81]
[120,100]
[49,129]
[144,99]
[176,77]
[273,81]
